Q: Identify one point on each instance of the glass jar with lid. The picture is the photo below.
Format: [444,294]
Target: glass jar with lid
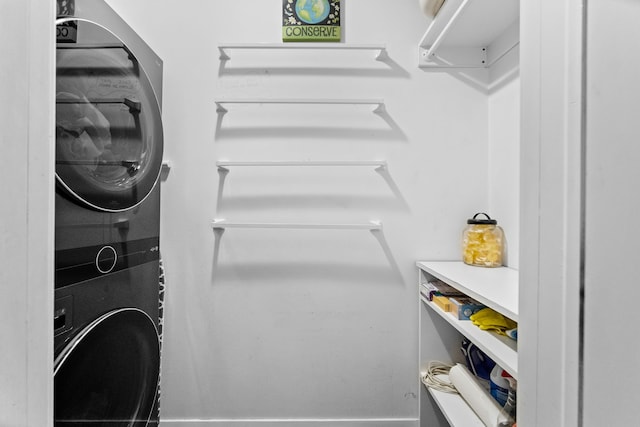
[482,242]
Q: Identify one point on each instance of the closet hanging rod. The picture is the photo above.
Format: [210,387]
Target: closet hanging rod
[382,49]
[379,103]
[224,164]
[221,224]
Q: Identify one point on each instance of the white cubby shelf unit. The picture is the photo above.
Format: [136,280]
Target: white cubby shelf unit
[496,288]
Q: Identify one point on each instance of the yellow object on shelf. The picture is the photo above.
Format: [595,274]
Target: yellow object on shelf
[443,303]
[488,319]
[482,242]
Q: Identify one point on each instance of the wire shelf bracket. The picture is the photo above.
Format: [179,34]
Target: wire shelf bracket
[473,53]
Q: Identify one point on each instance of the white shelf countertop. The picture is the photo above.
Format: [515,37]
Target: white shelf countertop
[457,412]
[503,350]
[497,288]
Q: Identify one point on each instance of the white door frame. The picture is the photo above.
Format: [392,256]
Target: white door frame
[552,212]
[27,85]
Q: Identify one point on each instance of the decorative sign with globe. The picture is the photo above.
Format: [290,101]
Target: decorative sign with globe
[311,21]
[312,11]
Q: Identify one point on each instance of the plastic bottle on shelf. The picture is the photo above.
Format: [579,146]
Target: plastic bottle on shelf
[499,385]
[507,417]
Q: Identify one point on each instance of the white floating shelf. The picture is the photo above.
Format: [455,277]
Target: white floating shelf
[223,164]
[496,288]
[442,24]
[503,350]
[223,224]
[224,54]
[470,34]
[378,103]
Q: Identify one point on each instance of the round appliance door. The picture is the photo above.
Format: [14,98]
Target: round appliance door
[107,375]
[109,138]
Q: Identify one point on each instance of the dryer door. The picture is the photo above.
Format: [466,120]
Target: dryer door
[107,375]
[108,126]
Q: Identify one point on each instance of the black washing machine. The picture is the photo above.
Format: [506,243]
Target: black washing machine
[109,145]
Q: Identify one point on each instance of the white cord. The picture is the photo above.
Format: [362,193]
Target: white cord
[431,379]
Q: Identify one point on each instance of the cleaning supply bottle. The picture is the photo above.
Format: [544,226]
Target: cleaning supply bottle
[507,417]
[499,385]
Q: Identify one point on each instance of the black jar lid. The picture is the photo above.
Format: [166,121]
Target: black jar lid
[476,220]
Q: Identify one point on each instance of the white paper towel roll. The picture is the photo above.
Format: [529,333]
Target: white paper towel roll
[431,7]
[479,399]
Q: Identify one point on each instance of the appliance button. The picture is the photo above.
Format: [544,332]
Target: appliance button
[106,259]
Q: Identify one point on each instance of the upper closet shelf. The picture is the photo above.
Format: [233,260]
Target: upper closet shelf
[378,103]
[470,34]
[225,48]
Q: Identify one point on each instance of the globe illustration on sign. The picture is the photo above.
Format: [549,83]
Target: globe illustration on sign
[312,11]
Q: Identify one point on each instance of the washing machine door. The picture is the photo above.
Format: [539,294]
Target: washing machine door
[107,375]
[109,138]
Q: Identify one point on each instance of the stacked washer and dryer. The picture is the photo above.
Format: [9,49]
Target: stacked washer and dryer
[109,147]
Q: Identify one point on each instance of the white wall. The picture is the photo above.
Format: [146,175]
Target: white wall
[504,151]
[26,214]
[294,324]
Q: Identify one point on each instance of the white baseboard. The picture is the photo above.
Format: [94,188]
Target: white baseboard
[364,422]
